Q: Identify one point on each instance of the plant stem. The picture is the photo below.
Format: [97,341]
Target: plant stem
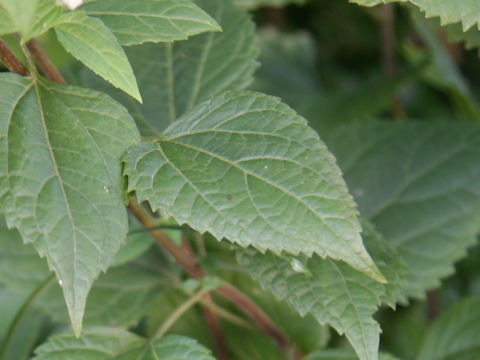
[10,60]
[44,62]
[190,264]
[177,314]
[228,316]
[215,328]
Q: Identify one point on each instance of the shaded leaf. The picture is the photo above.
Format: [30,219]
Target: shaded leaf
[466,12]
[342,354]
[246,167]
[252,4]
[455,334]
[110,343]
[61,178]
[418,183]
[135,22]
[91,42]
[333,292]
[174,78]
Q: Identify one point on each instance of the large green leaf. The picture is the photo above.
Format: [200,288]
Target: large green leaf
[418,183]
[61,179]
[174,78]
[109,343]
[455,334]
[91,42]
[466,12]
[246,167]
[333,292]
[135,22]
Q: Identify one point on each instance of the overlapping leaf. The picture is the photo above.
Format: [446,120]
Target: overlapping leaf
[31,18]
[61,179]
[246,167]
[455,334]
[135,22]
[466,12]
[333,292]
[176,77]
[418,183]
[91,42]
[119,297]
[109,343]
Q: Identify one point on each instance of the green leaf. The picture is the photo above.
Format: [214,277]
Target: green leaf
[96,343]
[171,347]
[418,183]
[61,179]
[110,343]
[466,12]
[454,335]
[252,4]
[175,78]
[91,42]
[342,354]
[333,292]
[135,22]
[31,18]
[246,167]
[119,297]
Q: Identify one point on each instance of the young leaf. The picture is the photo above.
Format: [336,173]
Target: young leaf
[246,167]
[418,183]
[333,292]
[60,148]
[135,22]
[176,77]
[31,18]
[466,12]
[91,42]
[455,334]
[110,343]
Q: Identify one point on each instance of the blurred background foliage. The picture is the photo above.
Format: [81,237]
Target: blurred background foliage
[335,63]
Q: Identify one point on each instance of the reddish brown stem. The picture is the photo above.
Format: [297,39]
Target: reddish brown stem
[229,292]
[216,330]
[11,61]
[44,62]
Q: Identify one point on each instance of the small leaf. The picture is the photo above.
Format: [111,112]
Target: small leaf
[455,334]
[418,183]
[174,78]
[60,177]
[466,12]
[96,343]
[135,22]
[91,42]
[334,293]
[246,167]
[111,343]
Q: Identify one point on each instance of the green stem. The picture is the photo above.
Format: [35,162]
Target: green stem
[22,311]
[184,307]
